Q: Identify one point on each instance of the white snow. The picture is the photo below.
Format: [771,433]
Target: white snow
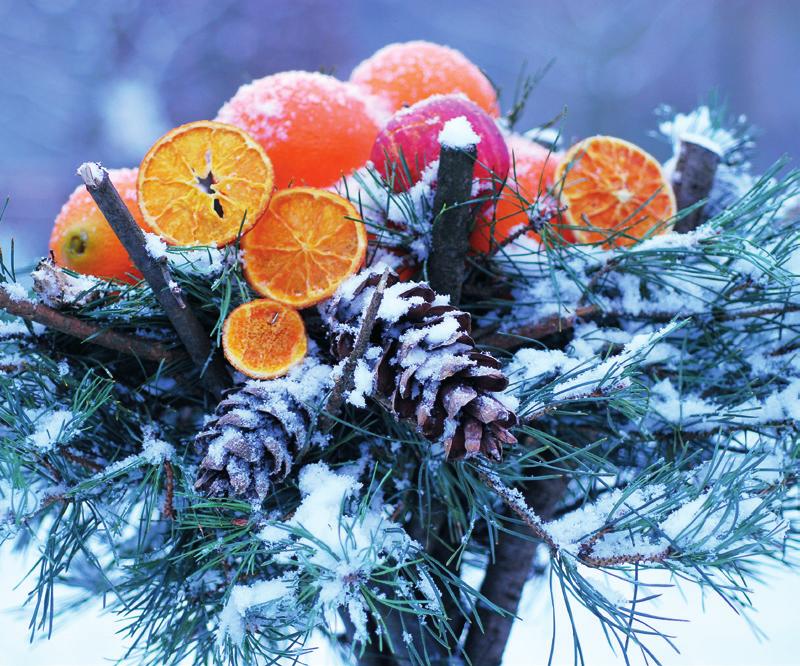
[697,126]
[363,384]
[16,292]
[244,598]
[155,451]
[458,133]
[51,427]
[155,245]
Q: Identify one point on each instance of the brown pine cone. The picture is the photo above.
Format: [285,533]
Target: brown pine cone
[424,364]
[255,431]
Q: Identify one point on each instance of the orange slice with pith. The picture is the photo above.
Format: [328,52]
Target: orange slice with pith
[204,183]
[615,192]
[264,339]
[307,243]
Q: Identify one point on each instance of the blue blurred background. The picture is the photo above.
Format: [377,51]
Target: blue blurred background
[102,80]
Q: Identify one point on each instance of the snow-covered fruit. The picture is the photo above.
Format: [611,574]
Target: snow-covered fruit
[406,73]
[411,141]
[82,239]
[422,364]
[314,127]
[532,173]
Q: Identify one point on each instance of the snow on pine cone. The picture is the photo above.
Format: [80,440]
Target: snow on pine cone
[422,364]
[255,430]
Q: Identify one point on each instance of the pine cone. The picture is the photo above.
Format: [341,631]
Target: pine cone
[256,429]
[424,364]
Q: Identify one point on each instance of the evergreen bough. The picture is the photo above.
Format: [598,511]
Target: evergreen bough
[654,393]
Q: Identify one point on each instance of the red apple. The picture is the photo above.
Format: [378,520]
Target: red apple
[412,136]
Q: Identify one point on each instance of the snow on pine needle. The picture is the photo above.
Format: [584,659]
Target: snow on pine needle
[334,553]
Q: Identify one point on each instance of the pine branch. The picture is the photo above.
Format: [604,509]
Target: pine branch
[189,330]
[506,576]
[692,181]
[451,226]
[519,337]
[78,328]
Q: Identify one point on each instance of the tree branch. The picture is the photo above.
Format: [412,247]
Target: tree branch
[692,181]
[451,226]
[507,574]
[78,328]
[189,330]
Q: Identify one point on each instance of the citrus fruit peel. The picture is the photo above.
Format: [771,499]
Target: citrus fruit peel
[307,243]
[264,339]
[615,192]
[203,183]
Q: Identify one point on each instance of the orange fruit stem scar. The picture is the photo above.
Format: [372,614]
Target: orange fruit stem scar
[615,192]
[307,243]
[204,182]
[83,241]
[264,339]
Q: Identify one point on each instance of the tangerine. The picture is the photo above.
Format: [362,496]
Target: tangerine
[307,243]
[314,128]
[615,192]
[264,339]
[532,174]
[83,241]
[204,183]
[406,73]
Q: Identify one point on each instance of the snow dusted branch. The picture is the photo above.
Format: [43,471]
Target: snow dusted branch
[346,380]
[157,274]
[451,226]
[78,328]
[692,180]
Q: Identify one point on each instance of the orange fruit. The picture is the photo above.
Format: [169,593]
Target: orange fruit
[264,339]
[84,242]
[307,243]
[532,172]
[204,182]
[405,73]
[314,128]
[614,191]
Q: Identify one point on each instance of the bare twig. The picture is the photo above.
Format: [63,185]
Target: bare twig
[451,226]
[79,328]
[554,324]
[692,181]
[345,380]
[187,326]
[169,491]
[540,329]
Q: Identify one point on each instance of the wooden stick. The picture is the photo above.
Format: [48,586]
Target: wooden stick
[451,226]
[345,381]
[79,328]
[189,330]
[540,329]
[692,181]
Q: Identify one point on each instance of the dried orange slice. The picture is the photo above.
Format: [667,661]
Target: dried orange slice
[264,339]
[614,191]
[204,181]
[307,243]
